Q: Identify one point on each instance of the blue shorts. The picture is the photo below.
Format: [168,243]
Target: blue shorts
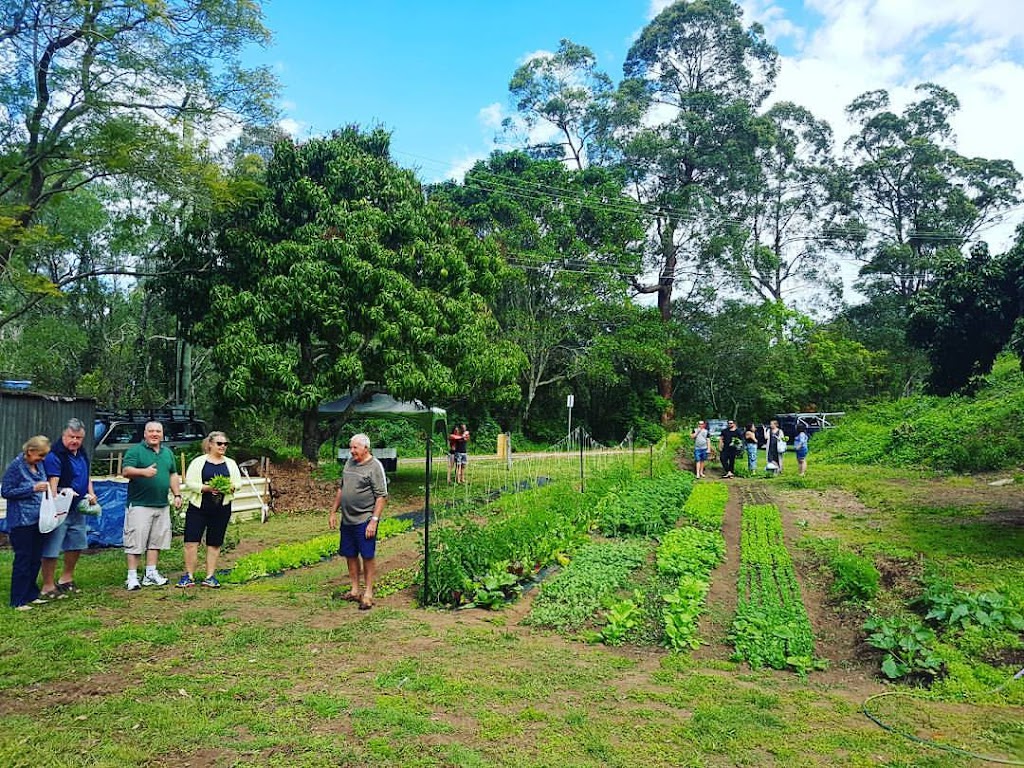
[354,542]
[801,455]
[700,454]
[461,458]
[69,536]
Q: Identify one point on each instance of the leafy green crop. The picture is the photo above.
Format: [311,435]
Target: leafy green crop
[282,558]
[952,608]
[855,578]
[908,645]
[705,507]
[682,610]
[646,506]
[573,597]
[690,551]
[771,627]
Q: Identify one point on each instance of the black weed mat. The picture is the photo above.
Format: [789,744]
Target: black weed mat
[417,515]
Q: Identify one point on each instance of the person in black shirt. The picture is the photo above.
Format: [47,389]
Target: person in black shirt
[728,444]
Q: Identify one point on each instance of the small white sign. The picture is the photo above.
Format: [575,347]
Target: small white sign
[569,401]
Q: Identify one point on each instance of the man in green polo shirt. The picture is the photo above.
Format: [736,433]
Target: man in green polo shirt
[149,467]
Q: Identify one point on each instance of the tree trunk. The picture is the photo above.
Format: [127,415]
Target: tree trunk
[312,436]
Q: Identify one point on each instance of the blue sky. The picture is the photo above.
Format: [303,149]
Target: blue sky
[425,70]
[436,73]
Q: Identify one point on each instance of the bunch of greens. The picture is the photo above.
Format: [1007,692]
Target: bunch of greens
[221,484]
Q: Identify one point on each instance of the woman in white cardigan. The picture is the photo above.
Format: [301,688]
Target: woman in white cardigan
[209,508]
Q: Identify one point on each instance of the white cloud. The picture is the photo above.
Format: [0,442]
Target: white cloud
[973,48]
[291,126]
[538,54]
[460,167]
[491,115]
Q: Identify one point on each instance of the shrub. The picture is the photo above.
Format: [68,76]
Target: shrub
[855,577]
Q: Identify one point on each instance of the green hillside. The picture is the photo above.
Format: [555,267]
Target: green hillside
[959,433]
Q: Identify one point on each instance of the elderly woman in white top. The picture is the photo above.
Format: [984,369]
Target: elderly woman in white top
[209,506]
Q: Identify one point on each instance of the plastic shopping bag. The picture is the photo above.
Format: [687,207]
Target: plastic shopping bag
[54,509]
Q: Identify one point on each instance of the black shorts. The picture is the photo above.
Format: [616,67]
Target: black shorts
[215,523]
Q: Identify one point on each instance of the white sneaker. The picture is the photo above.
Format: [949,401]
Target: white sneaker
[153,580]
[132,584]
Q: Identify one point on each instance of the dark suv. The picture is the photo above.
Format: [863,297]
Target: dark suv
[116,432]
[812,422]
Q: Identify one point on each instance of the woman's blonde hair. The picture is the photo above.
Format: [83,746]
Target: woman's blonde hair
[208,440]
[37,444]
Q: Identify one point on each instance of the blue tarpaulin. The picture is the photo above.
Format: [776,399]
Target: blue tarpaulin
[107,528]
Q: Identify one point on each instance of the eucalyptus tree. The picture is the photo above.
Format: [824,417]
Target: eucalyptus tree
[788,218]
[920,200]
[567,93]
[569,238]
[685,129]
[334,272]
[111,93]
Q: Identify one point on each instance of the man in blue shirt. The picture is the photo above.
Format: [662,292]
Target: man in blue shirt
[67,466]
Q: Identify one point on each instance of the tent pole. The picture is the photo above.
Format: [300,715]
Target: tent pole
[426,517]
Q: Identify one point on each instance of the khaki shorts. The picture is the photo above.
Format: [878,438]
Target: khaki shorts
[146,528]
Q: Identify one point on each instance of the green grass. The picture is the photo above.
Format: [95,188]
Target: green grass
[277,673]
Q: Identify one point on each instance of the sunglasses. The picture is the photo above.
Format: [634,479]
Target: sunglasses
[221,442]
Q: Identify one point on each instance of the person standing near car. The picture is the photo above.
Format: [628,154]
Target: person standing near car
[67,466]
[800,445]
[149,467]
[700,447]
[775,447]
[208,510]
[728,444]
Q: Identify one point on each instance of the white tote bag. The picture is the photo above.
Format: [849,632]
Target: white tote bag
[54,509]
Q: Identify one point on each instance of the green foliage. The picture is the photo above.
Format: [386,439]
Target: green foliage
[497,587]
[361,279]
[954,433]
[645,506]
[771,627]
[705,507]
[524,533]
[855,578]
[689,551]
[287,556]
[908,644]
[620,620]
[954,609]
[574,596]
[977,298]
[221,484]
[682,611]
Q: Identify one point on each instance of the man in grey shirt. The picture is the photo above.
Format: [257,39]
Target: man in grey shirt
[362,493]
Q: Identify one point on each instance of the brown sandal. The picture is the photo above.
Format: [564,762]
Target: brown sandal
[365,605]
[353,597]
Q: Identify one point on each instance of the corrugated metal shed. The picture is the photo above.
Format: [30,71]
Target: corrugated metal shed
[23,414]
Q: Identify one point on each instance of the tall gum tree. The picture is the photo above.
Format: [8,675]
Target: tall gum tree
[684,129]
[566,92]
[919,199]
[338,273]
[569,237]
[789,218]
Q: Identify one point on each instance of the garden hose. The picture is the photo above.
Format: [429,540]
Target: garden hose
[928,742]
